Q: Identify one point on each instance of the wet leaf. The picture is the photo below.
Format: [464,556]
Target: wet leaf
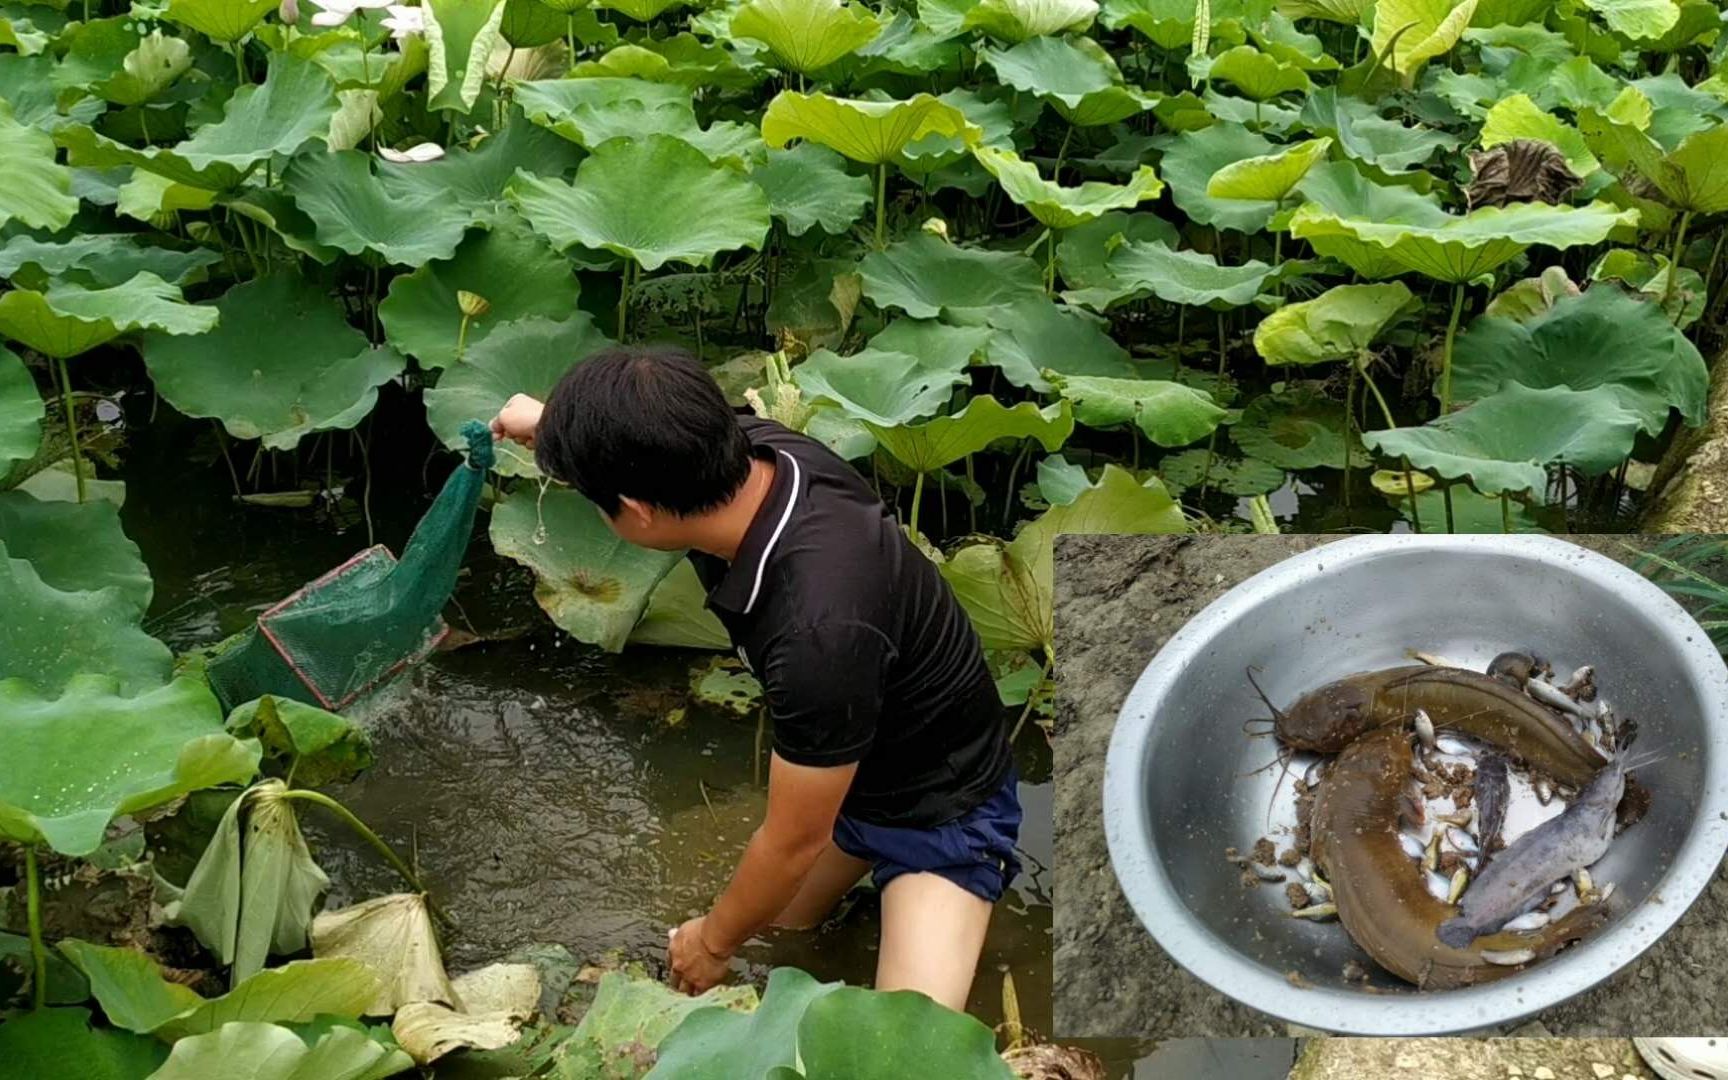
[317,747]
[725,683]
[492,1005]
[1243,477]
[75,547]
[1336,325]
[808,187]
[51,635]
[1298,428]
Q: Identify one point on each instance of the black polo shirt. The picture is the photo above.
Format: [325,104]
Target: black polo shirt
[863,652]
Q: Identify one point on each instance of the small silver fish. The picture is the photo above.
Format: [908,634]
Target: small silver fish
[1425,728]
[1316,911]
[1530,920]
[1439,885]
[1509,957]
[1451,744]
[1431,854]
[1413,846]
[1551,696]
[1462,841]
[1607,891]
[1544,789]
[1460,878]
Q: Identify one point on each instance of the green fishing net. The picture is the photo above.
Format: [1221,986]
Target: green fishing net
[358,626]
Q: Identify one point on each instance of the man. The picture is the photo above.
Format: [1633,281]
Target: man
[890,752]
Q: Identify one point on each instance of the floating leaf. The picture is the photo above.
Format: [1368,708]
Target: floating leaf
[933,444]
[1336,325]
[808,187]
[355,213]
[1243,477]
[1059,206]
[872,132]
[805,35]
[1409,33]
[392,936]
[21,412]
[700,209]
[1505,441]
[1269,178]
[1169,413]
[77,761]
[592,583]
[1298,428]
[1075,75]
[925,275]
[282,364]
[38,190]
[269,1052]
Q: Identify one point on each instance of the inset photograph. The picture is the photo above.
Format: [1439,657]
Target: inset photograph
[1391,785]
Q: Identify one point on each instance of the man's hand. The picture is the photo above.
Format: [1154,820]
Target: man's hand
[518,419]
[694,968]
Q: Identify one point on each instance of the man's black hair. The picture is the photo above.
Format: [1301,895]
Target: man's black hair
[646,421]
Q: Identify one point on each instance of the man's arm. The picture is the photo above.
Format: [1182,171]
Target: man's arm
[518,419]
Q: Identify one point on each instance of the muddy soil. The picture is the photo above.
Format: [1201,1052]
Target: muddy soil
[1118,599]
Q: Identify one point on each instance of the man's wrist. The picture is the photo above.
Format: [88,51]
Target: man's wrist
[713,942]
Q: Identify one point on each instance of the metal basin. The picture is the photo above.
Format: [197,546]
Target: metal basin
[1177,790]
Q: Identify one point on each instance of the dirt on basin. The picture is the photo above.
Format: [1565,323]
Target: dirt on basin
[1118,599]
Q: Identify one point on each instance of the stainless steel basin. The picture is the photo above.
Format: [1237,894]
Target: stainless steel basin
[1179,785]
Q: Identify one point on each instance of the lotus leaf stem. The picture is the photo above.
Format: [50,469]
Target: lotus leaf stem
[1446,356]
[1212,442]
[1446,497]
[239,53]
[38,953]
[1374,388]
[917,498]
[1505,512]
[71,414]
[462,337]
[1674,262]
[318,798]
[881,206]
[1032,696]
[624,300]
[1410,489]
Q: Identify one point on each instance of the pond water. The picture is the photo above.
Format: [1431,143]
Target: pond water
[546,794]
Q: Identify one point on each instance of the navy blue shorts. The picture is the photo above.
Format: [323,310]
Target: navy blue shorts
[975,851]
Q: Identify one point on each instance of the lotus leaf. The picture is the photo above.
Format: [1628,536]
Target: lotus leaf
[1458,249]
[700,210]
[354,213]
[494,1002]
[27,86]
[1258,75]
[641,10]
[925,275]
[114,60]
[21,412]
[69,319]
[881,387]
[871,132]
[1060,481]
[1365,135]
[1518,117]
[38,190]
[1083,252]
[460,35]
[1690,176]
[808,187]
[1339,324]
[716,1040]
[1192,158]
[1505,441]
[50,634]
[592,111]
[1600,340]
[226,21]
[1409,33]
[1637,19]
[391,936]
[593,584]
[1648,275]
[1170,23]
[1268,178]
[254,1051]
[1059,206]
[1018,20]
[315,746]
[724,683]
[1178,276]
[885,1035]
[677,615]
[1006,587]
[1340,187]
[129,985]
[472,182]
[1296,428]
[1075,75]
[805,35]
[1036,331]
[1243,477]
[515,271]
[244,904]
[931,445]
[77,761]
[1471,511]
[1169,413]
[283,363]
[100,260]
[75,547]
[61,1042]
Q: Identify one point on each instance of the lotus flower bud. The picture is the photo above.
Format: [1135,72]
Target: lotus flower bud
[289,12]
[473,305]
[936,225]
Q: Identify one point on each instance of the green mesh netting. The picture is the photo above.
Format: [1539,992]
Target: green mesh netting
[356,627]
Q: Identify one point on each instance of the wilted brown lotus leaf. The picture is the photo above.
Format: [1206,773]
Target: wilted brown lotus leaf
[1043,1062]
[1522,170]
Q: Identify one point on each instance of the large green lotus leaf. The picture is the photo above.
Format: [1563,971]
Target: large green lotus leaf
[1059,206]
[593,584]
[1519,117]
[642,10]
[1170,23]
[1458,249]
[1006,587]
[925,275]
[355,213]
[1083,253]
[114,60]
[881,387]
[475,180]
[282,364]
[805,35]
[928,446]
[888,1035]
[1296,428]
[526,357]
[1178,276]
[21,412]
[1690,176]
[50,635]
[1035,336]
[937,345]
[226,21]
[994,118]
[99,259]
[1365,135]
[1409,33]
[30,29]
[69,319]
[75,547]
[1271,177]
[1074,74]
[293,106]
[314,746]
[677,614]
[76,761]
[808,187]
[38,189]
[1637,19]
[1472,511]
[1336,325]
[1169,413]
[1600,339]
[1258,75]
[872,132]
[514,270]
[129,985]
[61,1043]
[699,209]
[1340,187]
[460,36]
[27,85]
[1505,441]
[1018,20]
[591,111]
[715,1042]
[255,1051]
[1348,12]
[1190,161]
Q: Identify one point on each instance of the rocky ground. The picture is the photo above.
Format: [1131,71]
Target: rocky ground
[1117,600]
